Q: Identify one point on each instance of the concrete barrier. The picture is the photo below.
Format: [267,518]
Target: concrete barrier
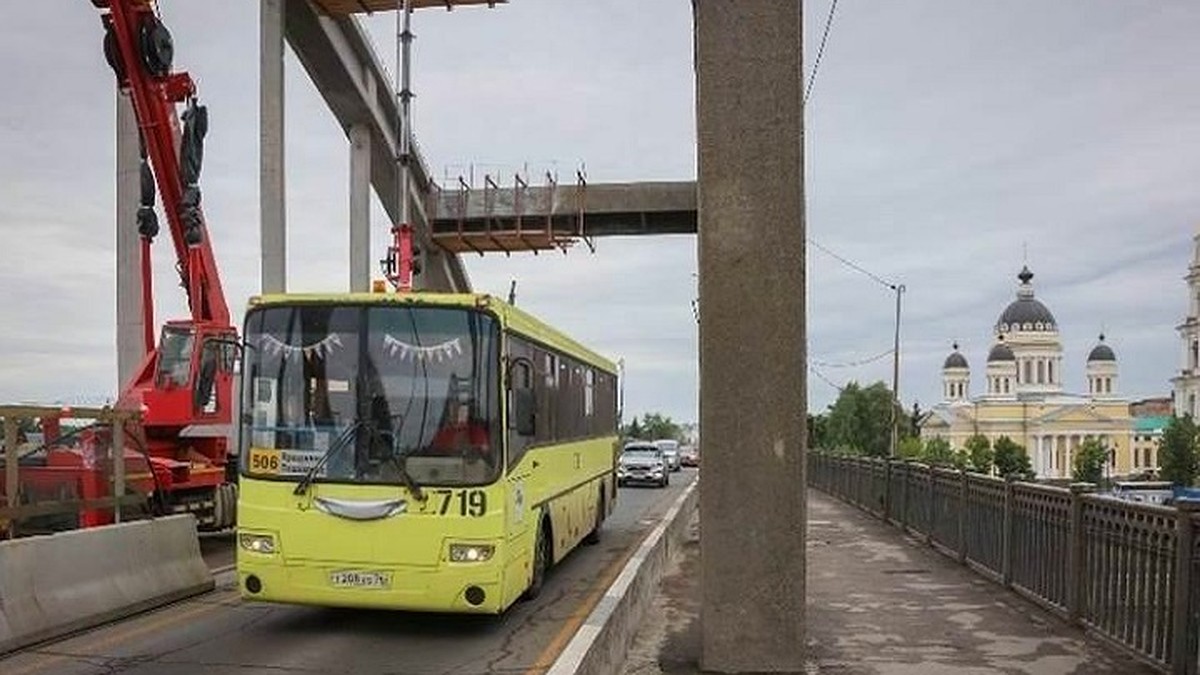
[58,584]
[600,645]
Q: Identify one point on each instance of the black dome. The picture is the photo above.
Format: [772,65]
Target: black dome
[1001,352]
[1102,352]
[1025,313]
[955,360]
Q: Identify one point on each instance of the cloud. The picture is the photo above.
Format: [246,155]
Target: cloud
[944,140]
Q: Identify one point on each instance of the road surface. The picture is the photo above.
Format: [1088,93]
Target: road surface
[218,633]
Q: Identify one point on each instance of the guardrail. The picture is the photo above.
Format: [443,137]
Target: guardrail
[1126,572]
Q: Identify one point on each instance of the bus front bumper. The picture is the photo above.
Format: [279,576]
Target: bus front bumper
[475,588]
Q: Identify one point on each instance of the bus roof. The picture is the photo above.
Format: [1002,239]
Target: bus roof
[512,317]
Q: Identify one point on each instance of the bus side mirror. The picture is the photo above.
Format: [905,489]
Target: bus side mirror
[525,412]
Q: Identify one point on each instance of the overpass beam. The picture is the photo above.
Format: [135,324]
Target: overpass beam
[749,82]
[337,54]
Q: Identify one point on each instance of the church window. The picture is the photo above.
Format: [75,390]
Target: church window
[1195,353]
[1028,372]
[1050,371]
[1041,370]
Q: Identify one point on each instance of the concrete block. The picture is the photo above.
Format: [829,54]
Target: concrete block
[55,585]
[600,645]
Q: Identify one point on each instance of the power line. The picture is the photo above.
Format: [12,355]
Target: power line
[852,364]
[826,380]
[854,266]
[812,78]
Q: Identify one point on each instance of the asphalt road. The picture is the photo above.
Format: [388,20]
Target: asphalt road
[218,633]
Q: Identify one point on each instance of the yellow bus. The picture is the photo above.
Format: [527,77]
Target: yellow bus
[416,451]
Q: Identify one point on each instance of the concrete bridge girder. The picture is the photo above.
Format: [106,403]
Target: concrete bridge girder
[337,55]
[608,209]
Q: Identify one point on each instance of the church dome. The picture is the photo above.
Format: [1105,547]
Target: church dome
[1001,352]
[1101,352]
[1026,313]
[955,360]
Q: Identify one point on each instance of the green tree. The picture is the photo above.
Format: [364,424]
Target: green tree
[633,429]
[656,426]
[979,454]
[910,448]
[860,419]
[1089,461]
[937,452]
[1178,456]
[914,420]
[1011,460]
[818,432]
[961,460]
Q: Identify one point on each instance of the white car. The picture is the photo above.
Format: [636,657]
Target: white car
[670,450]
[642,463]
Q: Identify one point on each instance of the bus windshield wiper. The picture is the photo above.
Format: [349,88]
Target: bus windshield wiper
[342,441]
[400,460]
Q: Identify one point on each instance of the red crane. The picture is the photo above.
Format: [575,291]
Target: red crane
[184,384]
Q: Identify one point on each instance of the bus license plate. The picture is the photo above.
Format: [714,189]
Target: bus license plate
[360,579]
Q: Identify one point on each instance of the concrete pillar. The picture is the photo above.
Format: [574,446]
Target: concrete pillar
[271,160]
[360,208]
[751,245]
[131,345]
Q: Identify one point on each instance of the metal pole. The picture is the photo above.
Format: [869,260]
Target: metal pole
[12,468]
[899,288]
[404,39]
[117,451]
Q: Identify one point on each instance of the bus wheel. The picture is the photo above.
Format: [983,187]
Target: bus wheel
[541,563]
[593,537]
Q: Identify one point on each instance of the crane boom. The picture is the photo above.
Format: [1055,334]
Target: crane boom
[139,48]
[184,385]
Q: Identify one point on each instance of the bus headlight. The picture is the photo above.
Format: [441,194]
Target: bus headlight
[257,543]
[470,553]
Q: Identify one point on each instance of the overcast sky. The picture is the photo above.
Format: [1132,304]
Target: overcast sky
[943,139]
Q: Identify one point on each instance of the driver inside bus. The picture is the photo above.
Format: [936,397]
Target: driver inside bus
[460,429]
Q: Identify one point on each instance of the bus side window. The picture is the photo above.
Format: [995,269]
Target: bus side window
[521,411]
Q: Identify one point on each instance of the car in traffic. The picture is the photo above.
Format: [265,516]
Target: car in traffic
[643,463]
[670,450]
[689,456]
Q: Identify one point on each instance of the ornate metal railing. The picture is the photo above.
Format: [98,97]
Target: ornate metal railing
[1127,572]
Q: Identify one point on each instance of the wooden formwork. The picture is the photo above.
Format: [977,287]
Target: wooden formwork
[339,7]
[15,508]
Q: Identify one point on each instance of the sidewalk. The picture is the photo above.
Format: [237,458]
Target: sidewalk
[881,603]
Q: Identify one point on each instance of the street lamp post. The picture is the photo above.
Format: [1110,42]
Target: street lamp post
[899,289]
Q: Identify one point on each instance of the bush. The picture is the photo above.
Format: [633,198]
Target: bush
[979,454]
[1010,459]
[1089,461]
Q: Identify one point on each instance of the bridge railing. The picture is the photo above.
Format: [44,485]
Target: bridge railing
[1126,572]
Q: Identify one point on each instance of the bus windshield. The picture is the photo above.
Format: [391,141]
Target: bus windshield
[391,389]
